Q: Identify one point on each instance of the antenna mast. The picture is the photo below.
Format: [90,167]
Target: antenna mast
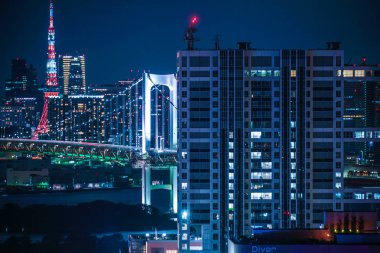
[189,36]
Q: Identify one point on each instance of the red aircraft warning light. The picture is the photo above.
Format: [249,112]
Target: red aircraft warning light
[189,35]
[194,20]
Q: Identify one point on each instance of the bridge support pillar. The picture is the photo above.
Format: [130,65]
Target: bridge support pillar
[173,192]
[146,184]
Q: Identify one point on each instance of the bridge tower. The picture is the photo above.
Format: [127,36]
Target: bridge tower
[51,88]
[153,82]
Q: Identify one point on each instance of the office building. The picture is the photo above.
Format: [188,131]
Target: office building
[22,101]
[263,141]
[72,74]
[23,82]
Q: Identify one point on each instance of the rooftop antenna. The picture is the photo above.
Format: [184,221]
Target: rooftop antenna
[217,41]
[189,35]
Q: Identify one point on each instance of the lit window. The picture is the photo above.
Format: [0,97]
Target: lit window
[338,174]
[230,206]
[348,73]
[292,196]
[230,144]
[338,185]
[230,186]
[293,185]
[359,73]
[255,135]
[230,196]
[184,186]
[293,176]
[255,155]
[266,165]
[293,73]
[292,144]
[230,175]
[339,72]
[171,251]
[338,195]
[293,216]
[261,175]
[231,166]
[184,215]
[293,155]
[257,186]
[358,195]
[231,155]
[358,134]
[276,73]
[293,166]
[261,195]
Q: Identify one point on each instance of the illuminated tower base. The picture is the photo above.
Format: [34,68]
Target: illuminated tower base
[43,125]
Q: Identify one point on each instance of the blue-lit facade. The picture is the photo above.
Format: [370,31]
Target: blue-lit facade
[263,141]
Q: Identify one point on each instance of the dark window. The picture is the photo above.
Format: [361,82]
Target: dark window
[199,73]
[261,61]
[215,61]
[184,61]
[321,61]
[199,61]
[338,61]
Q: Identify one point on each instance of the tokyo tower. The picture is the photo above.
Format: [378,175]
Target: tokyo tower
[51,88]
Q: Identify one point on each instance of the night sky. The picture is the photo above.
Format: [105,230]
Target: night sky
[119,35]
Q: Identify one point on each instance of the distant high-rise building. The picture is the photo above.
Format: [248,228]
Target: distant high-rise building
[22,101]
[77,118]
[72,74]
[23,81]
[272,139]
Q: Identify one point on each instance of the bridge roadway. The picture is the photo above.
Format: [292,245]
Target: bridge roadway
[87,150]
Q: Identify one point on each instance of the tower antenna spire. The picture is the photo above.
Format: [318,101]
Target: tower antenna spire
[51,88]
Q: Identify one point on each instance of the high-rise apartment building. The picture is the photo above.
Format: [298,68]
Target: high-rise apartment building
[72,74]
[78,118]
[265,141]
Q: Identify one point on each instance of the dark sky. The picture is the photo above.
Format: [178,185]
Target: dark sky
[119,35]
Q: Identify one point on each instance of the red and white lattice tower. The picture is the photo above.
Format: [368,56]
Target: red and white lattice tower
[51,88]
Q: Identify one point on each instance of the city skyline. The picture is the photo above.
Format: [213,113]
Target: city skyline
[250,125]
[81,30]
